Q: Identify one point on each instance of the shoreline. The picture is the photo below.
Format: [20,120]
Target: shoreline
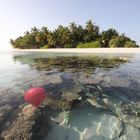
[82,50]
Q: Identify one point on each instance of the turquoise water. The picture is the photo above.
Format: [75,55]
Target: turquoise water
[119,80]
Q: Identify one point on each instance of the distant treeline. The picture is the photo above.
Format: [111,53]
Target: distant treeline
[73,36]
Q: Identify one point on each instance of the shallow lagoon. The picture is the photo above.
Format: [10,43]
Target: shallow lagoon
[113,114]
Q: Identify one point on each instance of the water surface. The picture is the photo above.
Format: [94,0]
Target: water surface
[118,75]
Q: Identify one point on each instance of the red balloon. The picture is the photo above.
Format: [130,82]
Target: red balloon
[35,96]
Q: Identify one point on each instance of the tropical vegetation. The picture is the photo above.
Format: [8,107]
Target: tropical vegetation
[72,36]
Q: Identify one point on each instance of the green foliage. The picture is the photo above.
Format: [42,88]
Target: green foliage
[114,43]
[76,34]
[122,41]
[62,34]
[67,46]
[52,39]
[16,43]
[28,41]
[95,44]
[91,32]
[130,44]
[45,46]
[72,36]
[106,36]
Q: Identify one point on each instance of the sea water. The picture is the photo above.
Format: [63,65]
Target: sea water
[117,76]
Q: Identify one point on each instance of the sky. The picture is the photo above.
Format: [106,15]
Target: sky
[18,16]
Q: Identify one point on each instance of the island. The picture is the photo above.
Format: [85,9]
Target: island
[73,36]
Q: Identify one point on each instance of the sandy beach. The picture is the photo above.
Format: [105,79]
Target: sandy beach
[85,50]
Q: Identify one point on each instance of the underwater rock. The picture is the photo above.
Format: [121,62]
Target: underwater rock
[64,119]
[134,85]
[32,124]
[116,81]
[56,103]
[129,113]
[98,103]
[88,124]
[124,59]
[70,96]
[59,83]
[54,79]
[4,111]
[130,133]
[28,111]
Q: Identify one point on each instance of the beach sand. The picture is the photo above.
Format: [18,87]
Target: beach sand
[84,50]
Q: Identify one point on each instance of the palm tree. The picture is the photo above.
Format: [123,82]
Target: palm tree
[108,35]
[52,39]
[63,35]
[34,30]
[92,31]
[73,34]
[12,42]
[45,31]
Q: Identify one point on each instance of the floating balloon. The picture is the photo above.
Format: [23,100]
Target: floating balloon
[35,96]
